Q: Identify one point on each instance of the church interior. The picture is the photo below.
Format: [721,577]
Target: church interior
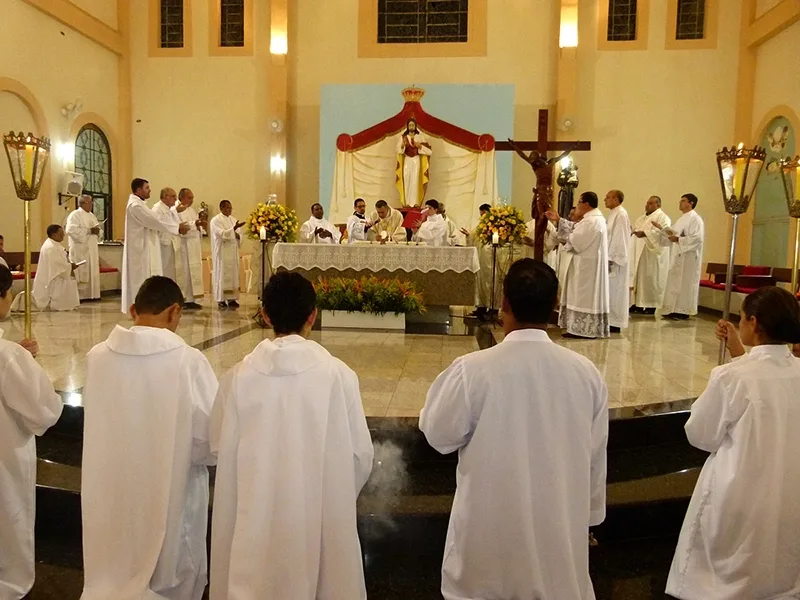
[298,102]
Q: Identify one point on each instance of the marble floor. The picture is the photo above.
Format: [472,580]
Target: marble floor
[652,363]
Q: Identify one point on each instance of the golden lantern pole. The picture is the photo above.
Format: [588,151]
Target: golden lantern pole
[27,158]
[739,169]
[790,170]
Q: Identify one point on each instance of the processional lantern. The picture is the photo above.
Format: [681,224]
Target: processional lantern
[739,169]
[27,158]
[790,173]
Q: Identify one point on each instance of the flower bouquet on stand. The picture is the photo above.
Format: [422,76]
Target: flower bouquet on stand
[506,222]
[273,223]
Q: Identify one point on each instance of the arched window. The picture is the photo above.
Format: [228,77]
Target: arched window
[93,160]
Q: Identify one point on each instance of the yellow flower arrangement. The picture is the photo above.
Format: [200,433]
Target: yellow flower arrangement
[279,222]
[507,221]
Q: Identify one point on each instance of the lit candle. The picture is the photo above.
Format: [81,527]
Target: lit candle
[262,233]
[738,172]
[495,238]
[29,154]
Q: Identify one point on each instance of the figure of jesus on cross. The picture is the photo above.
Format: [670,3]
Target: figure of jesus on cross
[543,168]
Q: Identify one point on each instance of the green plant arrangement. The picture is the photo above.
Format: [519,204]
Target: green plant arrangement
[506,221]
[279,223]
[369,295]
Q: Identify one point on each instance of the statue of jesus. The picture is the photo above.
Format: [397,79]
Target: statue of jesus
[413,152]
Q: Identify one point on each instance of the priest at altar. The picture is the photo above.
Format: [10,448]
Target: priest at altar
[358,225]
[318,230]
[413,152]
[83,229]
[388,219]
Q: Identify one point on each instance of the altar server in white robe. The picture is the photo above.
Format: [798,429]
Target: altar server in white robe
[54,286]
[141,255]
[225,244]
[294,452]
[650,258]
[550,243]
[144,477]
[453,232]
[529,420]
[683,281]
[358,226]
[170,244]
[433,230]
[389,220]
[584,307]
[740,536]
[318,230]
[191,251]
[619,237]
[82,230]
[28,407]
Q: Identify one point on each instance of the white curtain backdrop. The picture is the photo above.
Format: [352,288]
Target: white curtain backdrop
[460,178]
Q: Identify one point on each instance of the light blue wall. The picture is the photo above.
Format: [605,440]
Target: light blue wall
[351,108]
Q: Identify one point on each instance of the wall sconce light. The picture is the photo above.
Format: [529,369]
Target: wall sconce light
[277,165]
[65,152]
[278,43]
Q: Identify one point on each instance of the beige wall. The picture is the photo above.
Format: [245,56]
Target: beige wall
[59,68]
[104,10]
[763,6]
[656,118]
[323,49]
[777,79]
[201,121]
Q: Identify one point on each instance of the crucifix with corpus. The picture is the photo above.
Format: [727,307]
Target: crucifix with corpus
[543,168]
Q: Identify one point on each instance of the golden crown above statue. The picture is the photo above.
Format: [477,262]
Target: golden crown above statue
[413,94]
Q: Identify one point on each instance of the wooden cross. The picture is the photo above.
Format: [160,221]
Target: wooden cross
[543,169]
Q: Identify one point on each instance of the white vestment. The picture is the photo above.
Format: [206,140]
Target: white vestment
[412,178]
[192,256]
[294,452]
[144,480]
[650,266]
[683,282]
[452,231]
[740,536]
[4,263]
[308,228]
[28,407]
[356,229]
[584,292]
[531,474]
[392,225]
[550,244]
[225,258]
[433,231]
[170,243]
[141,256]
[619,235]
[83,246]
[53,285]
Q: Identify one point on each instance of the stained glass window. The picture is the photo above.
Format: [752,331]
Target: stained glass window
[691,24]
[93,161]
[231,23]
[621,20]
[422,21]
[172,23]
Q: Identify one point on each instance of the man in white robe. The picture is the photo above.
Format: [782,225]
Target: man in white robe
[225,244]
[584,295]
[141,255]
[650,258]
[318,230]
[619,235]
[170,244]
[82,230]
[144,479]
[389,220]
[529,420]
[550,243]
[191,250]
[685,238]
[28,407]
[54,287]
[293,451]
[433,230]
[453,230]
[358,225]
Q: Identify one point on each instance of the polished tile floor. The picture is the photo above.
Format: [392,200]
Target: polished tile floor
[652,362]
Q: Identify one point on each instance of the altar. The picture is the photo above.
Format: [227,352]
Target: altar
[446,276]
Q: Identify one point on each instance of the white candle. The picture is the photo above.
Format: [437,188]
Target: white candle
[262,233]
[495,238]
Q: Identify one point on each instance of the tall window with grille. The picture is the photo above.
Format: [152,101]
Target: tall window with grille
[231,23]
[621,21]
[93,161]
[171,23]
[423,21]
[691,22]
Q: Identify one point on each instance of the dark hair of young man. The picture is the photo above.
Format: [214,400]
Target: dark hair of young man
[224,202]
[156,295]
[692,199]
[6,280]
[52,229]
[138,184]
[530,290]
[288,299]
[486,207]
[381,204]
[433,204]
[589,198]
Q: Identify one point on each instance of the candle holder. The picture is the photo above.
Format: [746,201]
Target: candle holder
[790,174]
[739,169]
[27,158]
